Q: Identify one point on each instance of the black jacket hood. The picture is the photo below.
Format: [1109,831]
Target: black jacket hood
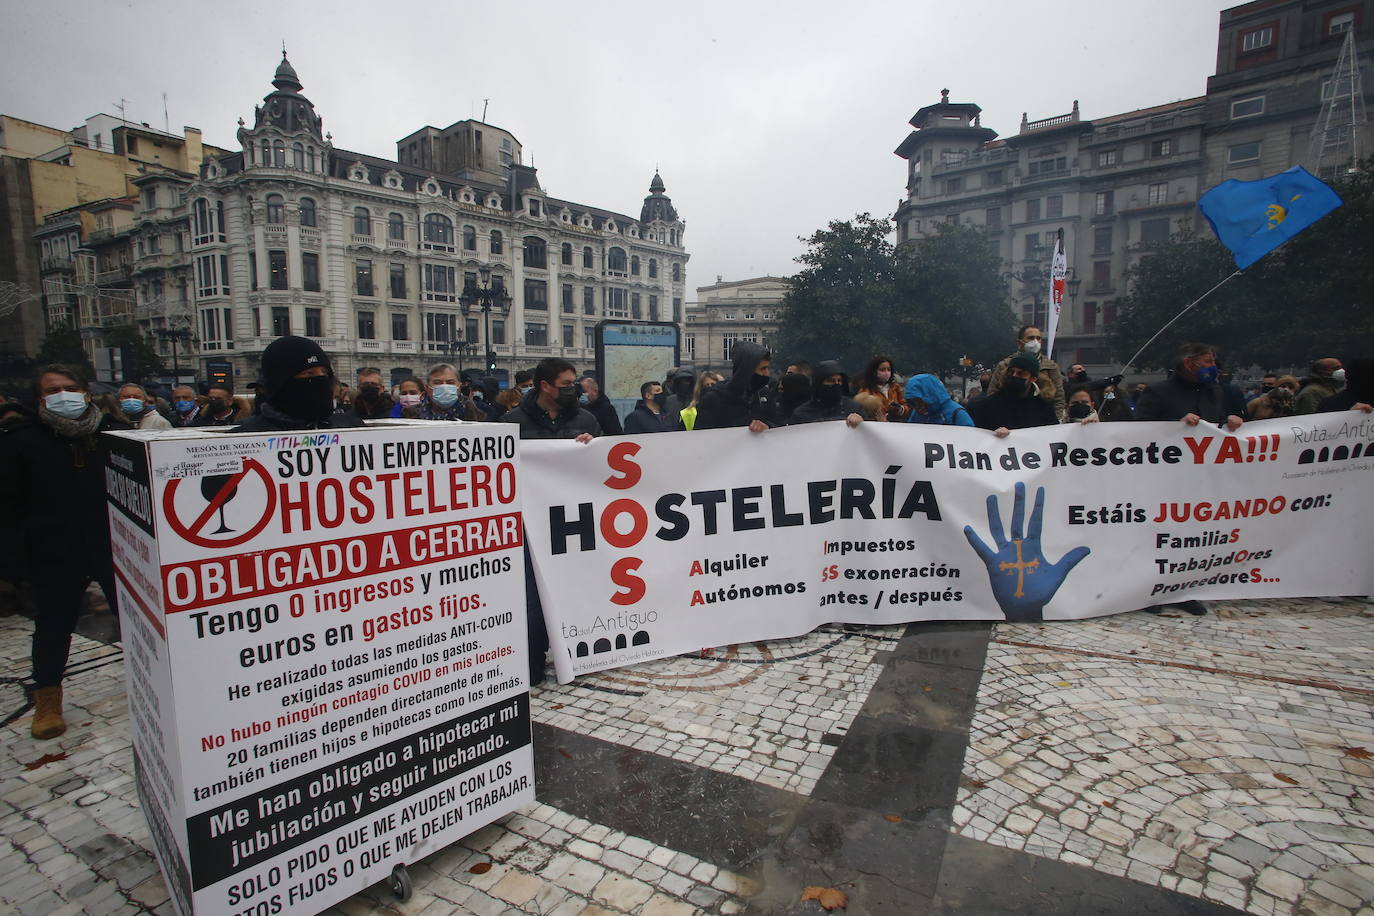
[746,357]
[826,368]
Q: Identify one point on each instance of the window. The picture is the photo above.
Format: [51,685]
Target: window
[677,272]
[992,218]
[400,326]
[440,326]
[498,331]
[1104,203]
[653,268]
[314,322]
[536,334]
[1090,318]
[1340,23]
[568,305]
[276,209]
[281,321]
[438,232]
[993,179]
[1106,157]
[954,185]
[1054,206]
[634,265]
[276,269]
[1158,193]
[1047,166]
[362,271]
[253,270]
[537,295]
[362,221]
[588,300]
[728,345]
[298,156]
[616,306]
[587,257]
[1154,230]
[1243,152]
[692,345]
[496,244]
[397,273]
[310,272]
[1102,274]
[1032,210]
[279,154]
[307,212]
[565,254]
[1159,148]
[635,312]
[207,284]
[395,227]
[201,226]
[653,308]
[1342,89]
[367,326]
[589,337]
[1257,39]
[1247,107]
[469,238]
[1102,240]
[536,252]
[470,329]
[149,198]
[568,335]
[439,283]
[534,208]
[615,260]
[154,244]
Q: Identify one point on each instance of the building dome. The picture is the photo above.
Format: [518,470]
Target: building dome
[657,206]
[285,108]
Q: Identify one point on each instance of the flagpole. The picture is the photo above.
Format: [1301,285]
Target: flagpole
[1126,365]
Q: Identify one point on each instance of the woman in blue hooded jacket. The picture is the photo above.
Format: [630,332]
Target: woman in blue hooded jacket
[930,402]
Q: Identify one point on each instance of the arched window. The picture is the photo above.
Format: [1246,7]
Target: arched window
[615,259]
[396,227]
[496,244]
[587,257]
[307,212]
[469,238]
[279,154]
[266,153]
[310,158]
[276,209]
[438,230]
[677,272]
[362,221]
[653,268]
[298,155]
[634,264]
[200,221]
[567,254]
[536,252]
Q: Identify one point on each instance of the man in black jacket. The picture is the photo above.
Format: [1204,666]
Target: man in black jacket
[745,399]
[649,415]
[830,398]
[548,411]
[1192,393]
[599,405]
[297,390]
[1016,403]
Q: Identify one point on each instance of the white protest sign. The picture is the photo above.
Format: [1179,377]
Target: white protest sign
[647,546]
[326,652]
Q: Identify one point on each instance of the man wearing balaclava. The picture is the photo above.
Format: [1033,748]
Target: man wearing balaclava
[1049,381]
[1014,403]
[745,399]
[296,390]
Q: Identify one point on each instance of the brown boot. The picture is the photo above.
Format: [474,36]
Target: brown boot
[47,713]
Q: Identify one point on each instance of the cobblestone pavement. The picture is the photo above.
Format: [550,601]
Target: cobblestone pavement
[1130,764]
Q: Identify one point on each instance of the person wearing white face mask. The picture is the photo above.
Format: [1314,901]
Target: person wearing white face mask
[1326,380]
[56,531]
[1050,380]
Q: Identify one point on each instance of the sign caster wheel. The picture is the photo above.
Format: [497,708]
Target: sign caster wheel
[400,883]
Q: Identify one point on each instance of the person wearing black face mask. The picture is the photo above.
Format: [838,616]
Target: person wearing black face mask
[829,397]
[297,390]
[372,401]
[1015,404]
[220,407]
[1192,393]
[649,415]
[744,400]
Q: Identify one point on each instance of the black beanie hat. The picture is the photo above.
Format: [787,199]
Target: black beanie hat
[286,356]
[1025,361]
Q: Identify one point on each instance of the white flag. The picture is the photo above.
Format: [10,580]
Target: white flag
[1059,268]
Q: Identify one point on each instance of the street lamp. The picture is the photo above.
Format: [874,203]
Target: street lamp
[486,297]
[459,348]
[175,334]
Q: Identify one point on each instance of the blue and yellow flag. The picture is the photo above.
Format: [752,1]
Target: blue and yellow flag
[1252,218]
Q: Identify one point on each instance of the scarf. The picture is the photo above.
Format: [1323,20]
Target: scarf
[83,426]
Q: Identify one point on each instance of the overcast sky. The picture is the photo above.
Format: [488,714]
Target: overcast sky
[767,120]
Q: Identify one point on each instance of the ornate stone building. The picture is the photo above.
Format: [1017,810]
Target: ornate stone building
[370,256]
[727,313]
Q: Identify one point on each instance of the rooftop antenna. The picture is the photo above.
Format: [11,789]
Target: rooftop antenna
[166,121]
[485,102]
[1338,136]
[122,102]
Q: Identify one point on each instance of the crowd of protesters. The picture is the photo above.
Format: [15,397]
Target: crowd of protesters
[55,536]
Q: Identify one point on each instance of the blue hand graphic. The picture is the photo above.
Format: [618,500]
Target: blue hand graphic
[1022,580]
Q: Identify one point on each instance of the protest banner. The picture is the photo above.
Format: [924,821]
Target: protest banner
[326,652]
[649,546]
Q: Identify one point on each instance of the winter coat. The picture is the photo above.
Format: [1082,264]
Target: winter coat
[739,400]
[644,420]
[534,423]
[940,407]
[270,420]
[1012,411]
[53,490]
[1175,397]
[889,394]
[1050,380]
[1313,391]
[814,411]
[605,414]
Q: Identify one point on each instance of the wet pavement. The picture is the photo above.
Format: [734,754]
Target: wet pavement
[1130,764]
